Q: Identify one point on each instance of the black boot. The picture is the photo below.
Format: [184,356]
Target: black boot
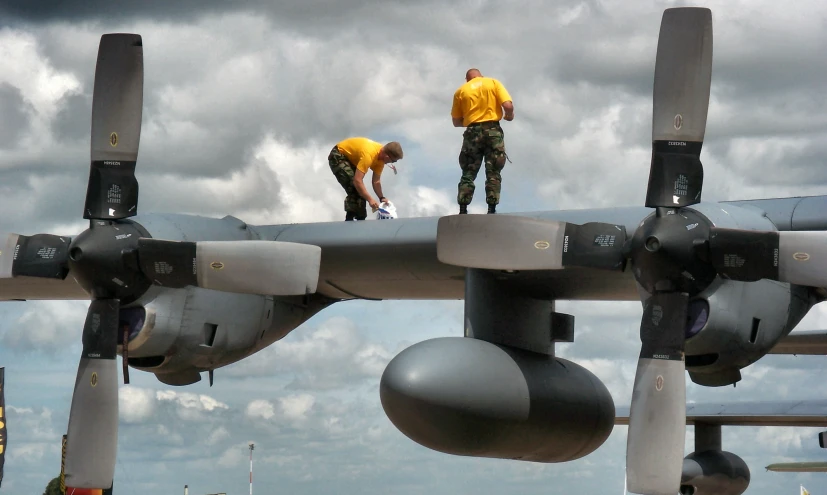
[492,209]
[349,217]
[463,209]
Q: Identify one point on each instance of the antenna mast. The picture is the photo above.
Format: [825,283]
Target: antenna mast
[252,446]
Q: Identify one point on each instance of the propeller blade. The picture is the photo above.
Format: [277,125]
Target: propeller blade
[92,440]
[112,192]
[8,243]
[248,267]
[508,242]
[683,71]
[747,255]
[40,255]
[657,417]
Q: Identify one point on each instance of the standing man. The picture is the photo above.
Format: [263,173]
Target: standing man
[350,160]
[479,104]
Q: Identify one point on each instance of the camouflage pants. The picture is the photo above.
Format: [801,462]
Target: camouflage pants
[482,141]
[344,171]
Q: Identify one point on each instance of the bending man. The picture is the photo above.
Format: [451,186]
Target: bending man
[350,160]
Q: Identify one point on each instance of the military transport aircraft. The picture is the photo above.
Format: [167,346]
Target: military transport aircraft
[722,284]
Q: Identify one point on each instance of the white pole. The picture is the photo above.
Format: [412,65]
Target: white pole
[252,446]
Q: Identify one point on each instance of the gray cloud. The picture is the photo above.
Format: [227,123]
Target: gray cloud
[15,114]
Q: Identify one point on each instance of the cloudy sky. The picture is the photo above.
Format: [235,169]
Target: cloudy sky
[243,101]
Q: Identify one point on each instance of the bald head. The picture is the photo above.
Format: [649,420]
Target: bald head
[472,73]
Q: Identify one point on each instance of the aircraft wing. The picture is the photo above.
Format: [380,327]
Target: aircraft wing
[397,259]
[808,343]
[769,413]
[798,467]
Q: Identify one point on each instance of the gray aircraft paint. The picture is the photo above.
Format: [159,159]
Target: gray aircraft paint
[401,254]
[798,467]
[397,260]
[709,469]
[466,396]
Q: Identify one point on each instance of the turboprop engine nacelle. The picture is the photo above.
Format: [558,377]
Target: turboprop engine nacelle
[714,472]
[733,324]
[469,397]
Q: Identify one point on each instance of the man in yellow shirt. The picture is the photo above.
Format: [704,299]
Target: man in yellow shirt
[479,104]
[350,160]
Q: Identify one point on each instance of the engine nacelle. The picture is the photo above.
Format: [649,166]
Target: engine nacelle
[733,324]
[714,472]
[178,333]
[469,397]
[736,323]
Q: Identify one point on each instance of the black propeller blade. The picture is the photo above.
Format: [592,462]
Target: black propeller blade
[683,71]
[92,440]
[251,267]
[657,418]
[505,242]
[40,255]
[746,255]
[657,423]
[112,192]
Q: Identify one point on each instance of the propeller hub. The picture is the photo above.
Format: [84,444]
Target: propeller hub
[652,244]
[665,252]
[103,260]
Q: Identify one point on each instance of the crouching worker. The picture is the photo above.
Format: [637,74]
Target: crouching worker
[350,160]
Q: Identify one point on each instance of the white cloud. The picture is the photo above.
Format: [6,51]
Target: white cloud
[325,358]
[46,326]
[135,405]
[296,407]
[190,406]
[260,409]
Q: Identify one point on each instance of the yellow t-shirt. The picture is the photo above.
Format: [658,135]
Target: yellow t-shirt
[363,153]
[479,100]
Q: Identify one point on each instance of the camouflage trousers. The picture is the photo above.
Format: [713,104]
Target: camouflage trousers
[481,142]
[344,171]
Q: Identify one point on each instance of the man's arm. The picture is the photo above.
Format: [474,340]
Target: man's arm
[505,98]
[377,184]
[508,110]
[359,184]
[456,110]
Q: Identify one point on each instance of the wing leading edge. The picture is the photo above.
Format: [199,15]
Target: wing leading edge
[811,413]
[798,467]
[813,343]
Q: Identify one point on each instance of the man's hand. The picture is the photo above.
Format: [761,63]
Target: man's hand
[373,205]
